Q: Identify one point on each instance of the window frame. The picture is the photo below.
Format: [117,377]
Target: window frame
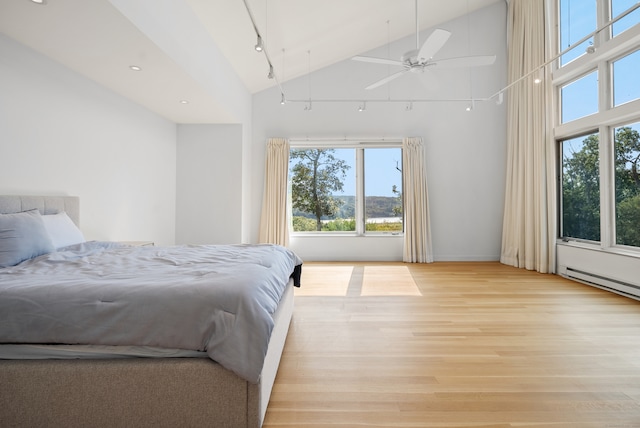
[608,117]
[359,146]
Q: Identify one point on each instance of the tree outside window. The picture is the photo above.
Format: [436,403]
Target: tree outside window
[346,189]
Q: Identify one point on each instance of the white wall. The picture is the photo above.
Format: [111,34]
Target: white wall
[465,151]
[63,134]
[209,184]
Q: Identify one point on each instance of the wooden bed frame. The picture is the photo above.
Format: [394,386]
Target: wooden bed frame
[133,392]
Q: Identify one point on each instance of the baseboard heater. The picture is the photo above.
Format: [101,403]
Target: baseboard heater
[620,287]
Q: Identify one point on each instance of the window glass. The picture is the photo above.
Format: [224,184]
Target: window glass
[355,190]
[577,19]
[581,188]
[322,189]
[625,79]
[579,98]
[383,189]
[627,184]
[619,6]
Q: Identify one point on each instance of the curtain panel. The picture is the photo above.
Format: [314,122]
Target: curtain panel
[274,224]
[417,227]
[529,223]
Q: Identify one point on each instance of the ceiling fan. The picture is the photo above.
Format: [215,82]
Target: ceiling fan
[421,59]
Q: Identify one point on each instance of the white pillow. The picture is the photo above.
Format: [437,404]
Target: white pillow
[62,230]
[22,237]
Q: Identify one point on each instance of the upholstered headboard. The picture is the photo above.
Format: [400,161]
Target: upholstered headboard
[45,204]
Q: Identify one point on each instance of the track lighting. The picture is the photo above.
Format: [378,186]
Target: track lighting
[363,106]
[308,107]
[259,46]
[270,75]
[471,106]
[282,100]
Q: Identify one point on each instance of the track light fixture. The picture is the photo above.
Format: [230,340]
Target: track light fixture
[282,100]
[363,106]
[259,45]
[471,106]
[270,75]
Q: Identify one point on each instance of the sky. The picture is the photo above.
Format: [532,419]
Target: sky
[383,163]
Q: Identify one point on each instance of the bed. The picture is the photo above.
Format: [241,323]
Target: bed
[151,373]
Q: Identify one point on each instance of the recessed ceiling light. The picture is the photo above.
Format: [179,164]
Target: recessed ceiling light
[39,1]
[184,102]
[135,68]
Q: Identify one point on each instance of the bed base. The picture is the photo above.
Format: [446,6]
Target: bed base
[139,392]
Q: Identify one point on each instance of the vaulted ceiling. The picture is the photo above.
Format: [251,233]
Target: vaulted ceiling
[101,39]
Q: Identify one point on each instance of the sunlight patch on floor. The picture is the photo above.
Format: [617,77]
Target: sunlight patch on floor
[316,280]
[388,281]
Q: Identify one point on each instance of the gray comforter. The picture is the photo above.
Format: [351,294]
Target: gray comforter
[217,299]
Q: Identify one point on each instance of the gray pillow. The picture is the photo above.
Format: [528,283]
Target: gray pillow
[22,237]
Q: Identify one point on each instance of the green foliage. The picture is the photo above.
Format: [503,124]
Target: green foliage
[303,224]
[315,176]
[628,222]
[387,226]
[339,225]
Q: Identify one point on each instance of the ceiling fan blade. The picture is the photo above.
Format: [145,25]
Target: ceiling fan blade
[377,60]
[433,44]
[465,61]
[387,79]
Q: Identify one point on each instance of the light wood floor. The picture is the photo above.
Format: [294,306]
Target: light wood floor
[456,345]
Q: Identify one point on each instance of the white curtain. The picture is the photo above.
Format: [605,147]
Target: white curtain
[274,226]
[529,224]
[417,228]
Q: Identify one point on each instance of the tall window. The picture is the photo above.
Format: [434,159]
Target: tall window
[346,189]
[627,184]
[579,98]
[598,125]
[577,19]
[581,188]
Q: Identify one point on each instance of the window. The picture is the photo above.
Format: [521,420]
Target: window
[625,72]
[346,189]
[619,6]
[579,98]
[598,129]
[627,184]
[581,188]
[577,19]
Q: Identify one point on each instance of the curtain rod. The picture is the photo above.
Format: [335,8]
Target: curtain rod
[346,139]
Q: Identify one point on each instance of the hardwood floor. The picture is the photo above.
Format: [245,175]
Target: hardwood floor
[456,345]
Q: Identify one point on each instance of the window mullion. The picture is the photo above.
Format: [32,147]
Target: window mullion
[360,207]
[607,186]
